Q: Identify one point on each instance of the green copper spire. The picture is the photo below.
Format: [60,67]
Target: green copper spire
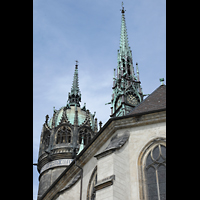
[75,96]
[124,47]
[127,91]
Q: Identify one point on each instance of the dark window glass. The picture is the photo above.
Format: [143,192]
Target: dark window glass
[156,173]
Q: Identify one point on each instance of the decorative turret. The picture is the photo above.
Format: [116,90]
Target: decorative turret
[63,136]
[127,92]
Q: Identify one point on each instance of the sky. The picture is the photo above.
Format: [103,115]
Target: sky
[89,31]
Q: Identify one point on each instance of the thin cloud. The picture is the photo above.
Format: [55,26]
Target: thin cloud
[89,31]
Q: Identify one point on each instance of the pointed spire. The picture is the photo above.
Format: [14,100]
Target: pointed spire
[75,86]
[126,83]
[75,96]
[124,47]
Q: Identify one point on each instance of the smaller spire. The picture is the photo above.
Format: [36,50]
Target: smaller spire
[161,81]
[75,96]
[100,124]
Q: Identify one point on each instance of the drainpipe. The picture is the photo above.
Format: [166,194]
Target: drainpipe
[81,179]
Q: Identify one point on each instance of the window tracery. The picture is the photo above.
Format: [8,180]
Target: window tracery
[153,171]
[85,134]
[63,135]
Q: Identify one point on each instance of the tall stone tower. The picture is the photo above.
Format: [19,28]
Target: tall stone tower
[127,91]
[64,136]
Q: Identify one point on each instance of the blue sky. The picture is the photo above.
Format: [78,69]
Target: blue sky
[89,31]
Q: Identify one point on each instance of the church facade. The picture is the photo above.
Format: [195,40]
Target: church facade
[124,159]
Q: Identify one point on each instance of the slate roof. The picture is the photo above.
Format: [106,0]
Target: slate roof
[155,101]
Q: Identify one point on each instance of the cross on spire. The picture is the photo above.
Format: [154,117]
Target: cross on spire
[122,11]
[75,96]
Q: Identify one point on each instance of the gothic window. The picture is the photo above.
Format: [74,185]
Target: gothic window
[58,138]
[153,171]
[69,136]
[63,135]
[91,192]
[86,135]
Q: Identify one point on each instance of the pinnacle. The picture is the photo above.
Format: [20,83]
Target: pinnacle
[75,95]
[124,46]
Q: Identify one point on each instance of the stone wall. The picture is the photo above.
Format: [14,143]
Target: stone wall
[122,163]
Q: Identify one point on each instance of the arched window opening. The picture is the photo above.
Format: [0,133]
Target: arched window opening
[64,135]
[58,138]
[91,192]
[153,171]
[86,135]
[68,137]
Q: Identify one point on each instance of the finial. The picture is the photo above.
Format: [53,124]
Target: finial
[100,124]
[95,125]
[114,73]
[47,117]
[76,64]
[161,81]
[122,11]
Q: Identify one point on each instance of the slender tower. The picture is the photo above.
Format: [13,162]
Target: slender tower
[127,91]
[68,131]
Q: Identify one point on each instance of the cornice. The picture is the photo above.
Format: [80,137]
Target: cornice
[112,125]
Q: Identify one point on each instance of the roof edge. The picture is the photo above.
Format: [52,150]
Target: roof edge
[93,139]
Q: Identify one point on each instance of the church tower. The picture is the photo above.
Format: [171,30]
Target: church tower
[68,131]
[127,91]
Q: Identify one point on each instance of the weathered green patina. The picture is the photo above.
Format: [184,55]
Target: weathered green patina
[73,104]
[127,92]
[75,96]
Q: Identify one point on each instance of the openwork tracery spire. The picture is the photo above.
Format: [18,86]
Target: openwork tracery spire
[127,92]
